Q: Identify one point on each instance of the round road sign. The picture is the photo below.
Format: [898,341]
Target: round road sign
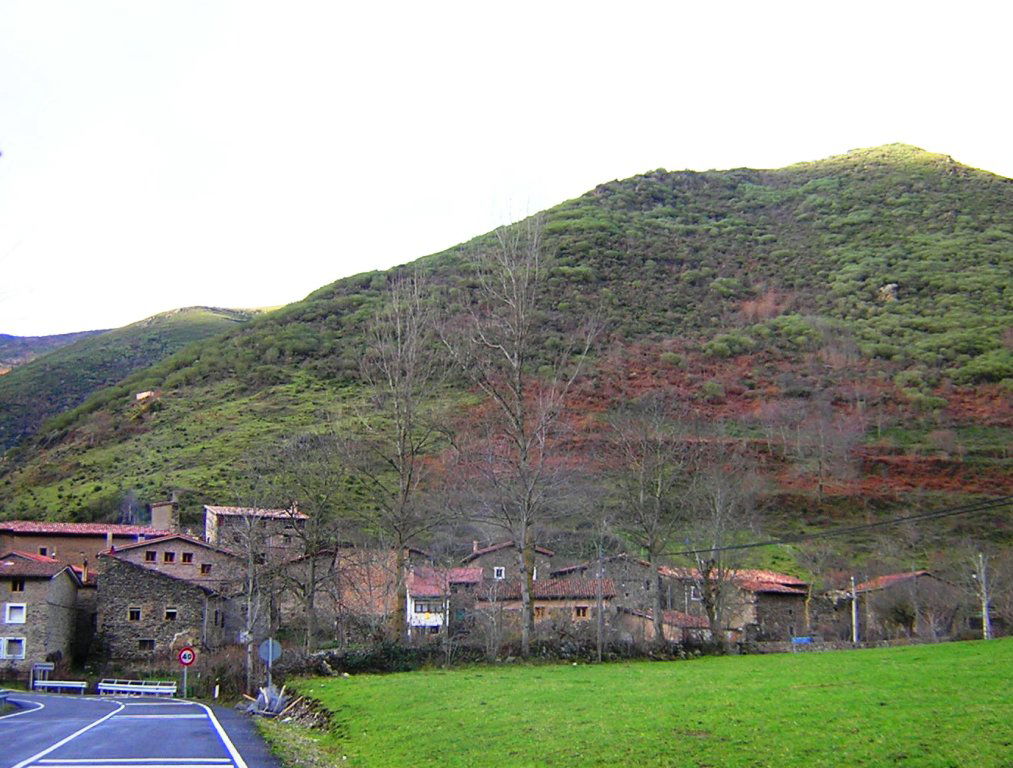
[187,656]
[270,650]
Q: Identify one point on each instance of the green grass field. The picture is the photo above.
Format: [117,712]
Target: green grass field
[945,705]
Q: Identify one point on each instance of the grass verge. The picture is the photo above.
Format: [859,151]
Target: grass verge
[940,706]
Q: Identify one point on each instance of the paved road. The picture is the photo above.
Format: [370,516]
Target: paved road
[54,731]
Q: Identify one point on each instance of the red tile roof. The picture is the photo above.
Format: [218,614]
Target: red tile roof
[750,579]
[593,564]
[289,514]
[768,587]
[435,582]
[503,545]
[32,556]
[882,582]
[77,529]
[13,565]
[552,589]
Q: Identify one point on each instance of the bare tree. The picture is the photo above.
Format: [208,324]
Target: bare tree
[403,366]
[720,505]
[498,348]
[653,461]
[309,473]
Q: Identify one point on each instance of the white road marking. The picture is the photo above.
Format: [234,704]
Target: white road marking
[38,705]
[222,762]
[158,703]
[139,760]
[237,758]
[72,736]
[109,764]
[162,717]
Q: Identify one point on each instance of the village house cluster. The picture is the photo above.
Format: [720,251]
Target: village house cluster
[132,593]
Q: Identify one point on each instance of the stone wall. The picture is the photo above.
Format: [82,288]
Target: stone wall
[125,588]
[190,560]
[777,617]
[69,550]
[50,611]
[506,558]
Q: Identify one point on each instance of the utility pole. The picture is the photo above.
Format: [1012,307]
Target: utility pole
[981,579]
[854,613]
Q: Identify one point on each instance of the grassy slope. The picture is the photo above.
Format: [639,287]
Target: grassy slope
[64,377]
[942,706]
[674,260]
[18,350]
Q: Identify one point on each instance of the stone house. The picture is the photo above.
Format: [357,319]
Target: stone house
[636,582]
[185,557]
[146,615]
[275,532]
[74,544]
[557,600]
[436,597]
[38,610]
[910,604]
[759,605]
[499,562]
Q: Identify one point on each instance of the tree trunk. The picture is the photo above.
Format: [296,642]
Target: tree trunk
[526,556]
[659,607]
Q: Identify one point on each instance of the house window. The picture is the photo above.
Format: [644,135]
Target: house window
[580,612]
[14,613]
[499,573]
[205,568]
[149,556]
[133,614]
[188,557]
[694,593]
[44,551]
[539,611]
[12,647]
[18,585]
[168,557]
[647,585]
[145,644]
[170,614]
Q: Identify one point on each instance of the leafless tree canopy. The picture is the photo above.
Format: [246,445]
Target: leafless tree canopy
[515,455]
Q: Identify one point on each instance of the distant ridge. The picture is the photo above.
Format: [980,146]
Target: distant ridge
[66,369]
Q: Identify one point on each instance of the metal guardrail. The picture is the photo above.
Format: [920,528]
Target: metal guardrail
[60,685]
[137,687]
[3,697]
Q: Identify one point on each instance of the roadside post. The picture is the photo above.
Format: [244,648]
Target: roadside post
[270,650]
[187,656]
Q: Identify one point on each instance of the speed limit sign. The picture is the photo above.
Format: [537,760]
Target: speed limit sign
[187,656]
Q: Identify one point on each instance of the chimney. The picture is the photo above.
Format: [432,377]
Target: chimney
[474,547]
[109,540]
[84,572]
[165,515]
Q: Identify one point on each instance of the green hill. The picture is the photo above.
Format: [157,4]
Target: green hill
[879,278]
[18,350]
[61,379]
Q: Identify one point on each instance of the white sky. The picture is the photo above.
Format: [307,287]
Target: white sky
[166,154]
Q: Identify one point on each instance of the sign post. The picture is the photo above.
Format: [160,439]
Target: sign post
[269,650]
[187,656]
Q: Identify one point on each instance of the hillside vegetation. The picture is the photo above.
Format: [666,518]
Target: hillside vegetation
[884,707]
[63,378]
[18,350]
[873,283]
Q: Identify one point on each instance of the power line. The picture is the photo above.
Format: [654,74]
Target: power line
[982,506]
